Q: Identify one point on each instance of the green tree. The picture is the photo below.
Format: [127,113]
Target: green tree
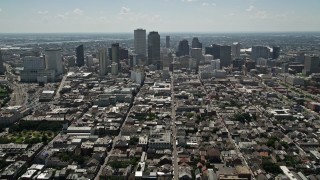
[271,167]
[44,139]
[190,115]
[134,140]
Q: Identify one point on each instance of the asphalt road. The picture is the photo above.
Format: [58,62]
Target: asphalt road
[174,133]
[113,145]
[244,161]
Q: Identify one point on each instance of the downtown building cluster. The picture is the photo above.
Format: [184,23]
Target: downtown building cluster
[157,107]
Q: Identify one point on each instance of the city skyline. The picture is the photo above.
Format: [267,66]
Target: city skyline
[204,16]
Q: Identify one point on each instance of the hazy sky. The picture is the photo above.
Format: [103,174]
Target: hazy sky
[159,15]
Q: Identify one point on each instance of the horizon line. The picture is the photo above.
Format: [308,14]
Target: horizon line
[165,32]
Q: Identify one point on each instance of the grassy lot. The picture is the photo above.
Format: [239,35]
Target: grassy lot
[28,137]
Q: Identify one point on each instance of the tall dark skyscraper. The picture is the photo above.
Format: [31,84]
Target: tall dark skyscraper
[154,49]
[213,50]
[80,56]
[276,52]
[196,43]
[225,55]
[140,42]
[221,52]
[183,48]
[123,53]
[1,64]
[115,54]
[167,41]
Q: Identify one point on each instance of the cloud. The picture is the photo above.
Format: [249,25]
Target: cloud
[0,10]
[189,0]
[207,4]
[231,14]
[257,13]
[61,16]
[155,18]
[124,10]
[77,11]
[43,12]
[261,14]
[250,8]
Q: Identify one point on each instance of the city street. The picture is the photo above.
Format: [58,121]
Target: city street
[174,132]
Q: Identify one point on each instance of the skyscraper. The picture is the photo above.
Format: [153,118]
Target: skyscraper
[213,50]
[1,64]
[183,48]
[167,41]
[115,54]
[311,65]
[53,60]
[260,52]
[196,43]
[123,53]
[275,52]
[90,61]
[140,42]
[80,56]
[154,49]
[225,55]
[103,64]
[196,53]
[235,50]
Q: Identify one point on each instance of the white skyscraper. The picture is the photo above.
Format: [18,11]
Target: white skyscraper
[89,61]
[33,63]
[235,50]
[103,58]
[196,53]
[140,42]
[114,69]
[53,60]
[215,64]
[260,52]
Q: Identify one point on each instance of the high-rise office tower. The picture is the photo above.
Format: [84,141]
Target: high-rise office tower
[196,43]
[123,53]
[53,60]
[80,56]
[154,49]
[311,65]
[225,55]
[275,52]
[115,54]
[2,69]
[70,61]
[196,53]
[114,68]
[238,63]
[167,41]
[285,68]
[140,42]
[35,70]
[235,50]
[183,48]
[33,63]
[90,61]
[103,61]
[215,64]
[213,50]
[260,52]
